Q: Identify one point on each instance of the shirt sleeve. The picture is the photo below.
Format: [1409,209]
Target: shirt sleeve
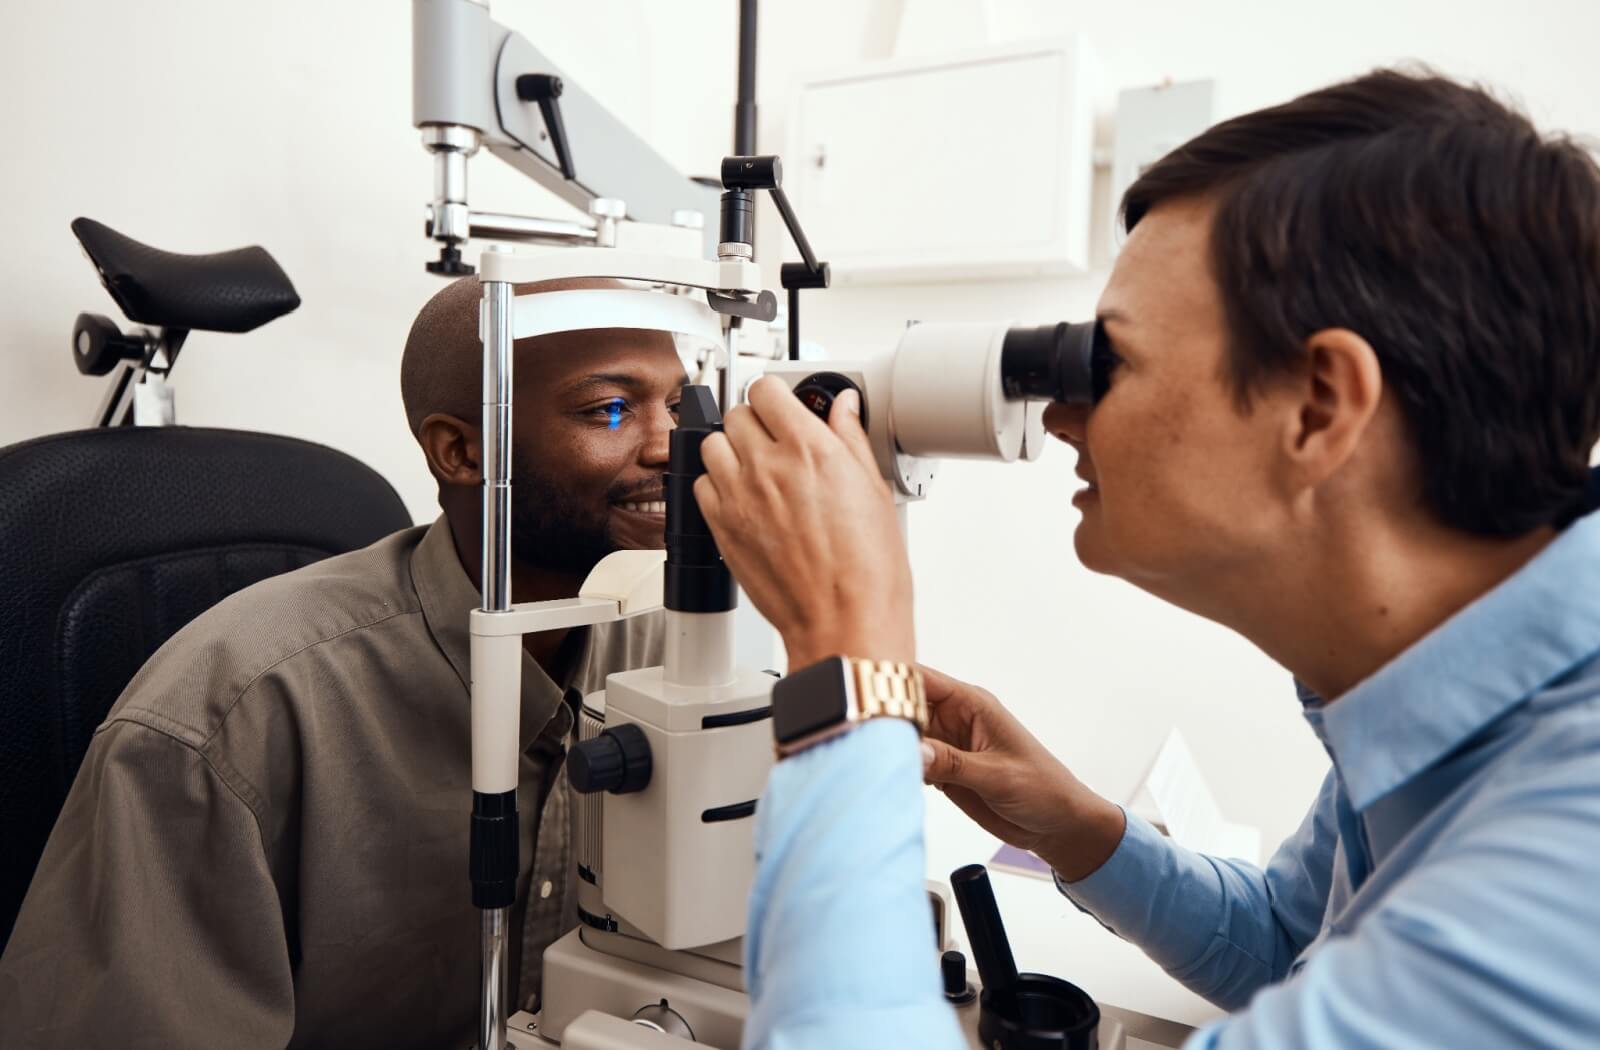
[152,914]
[839,950]
[1490,942]
[1223,928]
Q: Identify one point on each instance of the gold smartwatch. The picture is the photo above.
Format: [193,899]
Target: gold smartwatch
[832,696]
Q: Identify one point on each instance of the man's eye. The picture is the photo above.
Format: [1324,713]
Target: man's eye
[672,409]
[611,412]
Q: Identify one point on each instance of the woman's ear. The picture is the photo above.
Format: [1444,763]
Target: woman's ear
[1342,387]
[453,448]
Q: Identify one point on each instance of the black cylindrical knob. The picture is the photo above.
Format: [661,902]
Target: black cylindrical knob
[991,950]
[738,218]
[618,761]
[492,849]
[752,173]
[819,390]
[953,972]
[98,345]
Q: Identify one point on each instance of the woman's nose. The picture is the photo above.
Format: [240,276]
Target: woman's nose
[1067,422]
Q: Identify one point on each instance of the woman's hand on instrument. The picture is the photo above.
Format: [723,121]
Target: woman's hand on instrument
[1001,776]
[808,526]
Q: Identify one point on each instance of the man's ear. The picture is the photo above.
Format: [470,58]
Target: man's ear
[453,448]
[1340,392]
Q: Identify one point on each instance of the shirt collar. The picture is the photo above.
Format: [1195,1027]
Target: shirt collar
[448,597]
[1487,659]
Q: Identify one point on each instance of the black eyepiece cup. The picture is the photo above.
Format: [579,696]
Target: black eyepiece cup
[1051,363]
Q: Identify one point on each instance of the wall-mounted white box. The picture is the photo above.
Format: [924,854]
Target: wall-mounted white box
[1152,122]
[970,165]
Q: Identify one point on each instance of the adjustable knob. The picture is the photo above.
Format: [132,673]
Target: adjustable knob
[618,761]
[953,971]
[546,89]
[98,345]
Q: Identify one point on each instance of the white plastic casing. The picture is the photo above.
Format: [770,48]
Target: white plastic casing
[682,881]
[946,397]
[496,671]
[937,395]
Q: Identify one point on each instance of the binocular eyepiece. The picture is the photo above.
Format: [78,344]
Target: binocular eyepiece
[960,390]
[1066,363]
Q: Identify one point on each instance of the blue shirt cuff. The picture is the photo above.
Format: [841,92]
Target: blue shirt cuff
[1152,892]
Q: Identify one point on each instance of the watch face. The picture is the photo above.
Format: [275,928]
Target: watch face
[808,701]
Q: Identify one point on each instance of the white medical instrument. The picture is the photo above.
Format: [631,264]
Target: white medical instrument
[671,760]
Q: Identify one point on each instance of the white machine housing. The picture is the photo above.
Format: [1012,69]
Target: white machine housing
[936,395]
[679,856]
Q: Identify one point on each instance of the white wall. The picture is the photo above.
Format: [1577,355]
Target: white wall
[199,125]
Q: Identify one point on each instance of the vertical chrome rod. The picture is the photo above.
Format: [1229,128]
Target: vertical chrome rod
[497,342]
[492,1005]
[497,349]
[728,382]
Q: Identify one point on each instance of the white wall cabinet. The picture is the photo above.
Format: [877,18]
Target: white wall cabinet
[972,165]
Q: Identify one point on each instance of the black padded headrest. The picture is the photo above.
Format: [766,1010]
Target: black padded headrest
[222,292]
[113,539]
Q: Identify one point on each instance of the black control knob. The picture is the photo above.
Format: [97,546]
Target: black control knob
[618,761]
[98,345]
[546,89]
[449,263]
[819,390]
[953,970]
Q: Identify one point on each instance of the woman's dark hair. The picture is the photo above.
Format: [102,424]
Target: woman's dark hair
[1437,223]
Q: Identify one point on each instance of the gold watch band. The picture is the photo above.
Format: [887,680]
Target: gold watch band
[832,696]
[888,688]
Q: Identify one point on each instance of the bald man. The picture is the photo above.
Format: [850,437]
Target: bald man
[266,846]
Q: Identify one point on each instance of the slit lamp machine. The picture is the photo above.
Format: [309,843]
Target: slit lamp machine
[670,760]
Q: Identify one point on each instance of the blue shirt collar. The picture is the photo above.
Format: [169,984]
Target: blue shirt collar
[1484,661]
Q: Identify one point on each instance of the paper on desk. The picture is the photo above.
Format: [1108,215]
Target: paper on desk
[1019,862]
[1174,797]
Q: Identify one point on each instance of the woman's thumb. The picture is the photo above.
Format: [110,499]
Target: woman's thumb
[943,764]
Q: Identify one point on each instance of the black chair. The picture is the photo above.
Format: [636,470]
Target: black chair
[113,539]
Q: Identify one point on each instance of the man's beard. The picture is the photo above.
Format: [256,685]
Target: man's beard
[551,530]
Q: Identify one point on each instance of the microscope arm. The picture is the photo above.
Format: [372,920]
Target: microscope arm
[466,70]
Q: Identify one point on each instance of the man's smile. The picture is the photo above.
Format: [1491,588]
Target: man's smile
[640,519]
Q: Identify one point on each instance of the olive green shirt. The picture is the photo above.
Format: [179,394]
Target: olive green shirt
[266,845]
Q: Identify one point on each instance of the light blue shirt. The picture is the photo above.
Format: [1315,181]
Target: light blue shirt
[1444,890]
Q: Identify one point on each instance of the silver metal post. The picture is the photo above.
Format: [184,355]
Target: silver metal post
[728,382]
[497,349]
[495,226]
[497,343]
[491,1007]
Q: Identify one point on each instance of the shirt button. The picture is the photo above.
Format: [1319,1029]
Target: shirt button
[545,890]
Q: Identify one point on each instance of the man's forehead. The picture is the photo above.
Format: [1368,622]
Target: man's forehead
[1164,268]
[569,357]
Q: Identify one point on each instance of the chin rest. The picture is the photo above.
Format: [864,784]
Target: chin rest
[223,292]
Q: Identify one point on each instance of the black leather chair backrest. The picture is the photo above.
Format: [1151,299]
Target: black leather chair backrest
[113,539]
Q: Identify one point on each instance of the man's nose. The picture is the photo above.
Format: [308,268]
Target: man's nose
[1068,422]
[657,443]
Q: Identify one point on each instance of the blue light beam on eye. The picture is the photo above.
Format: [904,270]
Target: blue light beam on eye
[614,415]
